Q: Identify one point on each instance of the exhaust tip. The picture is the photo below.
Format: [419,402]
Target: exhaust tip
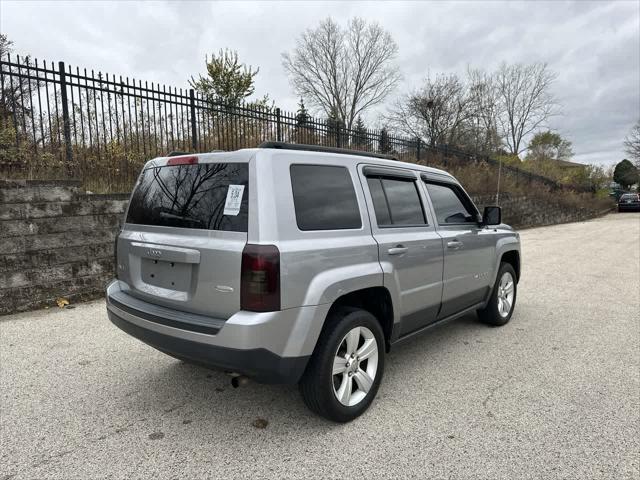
[239,381]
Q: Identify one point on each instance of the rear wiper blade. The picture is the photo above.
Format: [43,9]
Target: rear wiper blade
[180,217]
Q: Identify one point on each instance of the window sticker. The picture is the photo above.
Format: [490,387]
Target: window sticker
[234,199]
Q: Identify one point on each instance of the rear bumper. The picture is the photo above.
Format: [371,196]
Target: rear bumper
[272,347]
[629,207]
[259,364]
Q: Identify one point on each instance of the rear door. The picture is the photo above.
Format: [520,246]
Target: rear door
[185,230]
[469,249]
[409,249]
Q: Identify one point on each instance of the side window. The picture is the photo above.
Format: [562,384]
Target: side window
[324,198]
[396,202]
[379,202]
[449,205]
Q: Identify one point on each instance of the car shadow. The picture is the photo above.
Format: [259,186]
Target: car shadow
[192,395]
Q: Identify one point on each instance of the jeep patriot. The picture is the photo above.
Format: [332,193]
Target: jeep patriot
[304,264]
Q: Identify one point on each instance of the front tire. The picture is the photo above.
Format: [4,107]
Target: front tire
[503,298]
[346,368]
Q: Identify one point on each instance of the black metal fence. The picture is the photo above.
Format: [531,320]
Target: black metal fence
[60,122]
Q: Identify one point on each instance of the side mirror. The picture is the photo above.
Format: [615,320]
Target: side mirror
[492,216]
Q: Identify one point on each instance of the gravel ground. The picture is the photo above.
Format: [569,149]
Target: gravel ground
[554,394]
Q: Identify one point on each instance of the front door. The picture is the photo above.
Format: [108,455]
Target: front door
[409,248]
[469,249]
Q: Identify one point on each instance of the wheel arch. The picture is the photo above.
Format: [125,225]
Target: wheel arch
[512,257]
[375,300]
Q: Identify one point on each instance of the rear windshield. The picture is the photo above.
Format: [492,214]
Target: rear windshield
[207,196]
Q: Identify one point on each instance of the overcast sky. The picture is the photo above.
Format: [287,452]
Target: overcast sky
[593,46]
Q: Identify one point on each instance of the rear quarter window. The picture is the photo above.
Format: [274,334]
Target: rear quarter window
[324,198]
[192,196]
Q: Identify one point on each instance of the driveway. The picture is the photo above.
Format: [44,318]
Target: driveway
[554,394]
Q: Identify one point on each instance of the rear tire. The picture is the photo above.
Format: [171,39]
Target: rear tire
[345,370]
[503,298]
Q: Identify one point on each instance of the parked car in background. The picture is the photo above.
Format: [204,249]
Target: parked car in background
[629,202]
[304,264]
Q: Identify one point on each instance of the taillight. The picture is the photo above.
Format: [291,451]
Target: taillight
[190,160]
[260,278]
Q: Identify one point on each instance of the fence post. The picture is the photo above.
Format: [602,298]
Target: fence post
[418,149]
[65,118]
[278,132]
[194,130]
[338,135]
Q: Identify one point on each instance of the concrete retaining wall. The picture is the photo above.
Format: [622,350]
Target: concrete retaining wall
[524,212]
[56,241]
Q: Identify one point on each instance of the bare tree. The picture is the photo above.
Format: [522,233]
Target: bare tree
[435,113]
[15,88]
[525,100]
[345,71]
[16,101]
[6,46]
[485,106]
[632,144]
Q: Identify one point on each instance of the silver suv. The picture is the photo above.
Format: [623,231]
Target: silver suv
[301,264]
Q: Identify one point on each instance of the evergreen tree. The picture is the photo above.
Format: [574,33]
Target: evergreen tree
[549,146]
[335,128]
[228,81]
[625,174]
[360,137]
[304,130]
[302,115]
[384,144]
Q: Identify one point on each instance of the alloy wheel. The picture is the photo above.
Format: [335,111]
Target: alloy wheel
[506,291]
[355,365]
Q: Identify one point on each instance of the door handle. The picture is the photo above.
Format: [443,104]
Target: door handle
[455,244]
[398,250]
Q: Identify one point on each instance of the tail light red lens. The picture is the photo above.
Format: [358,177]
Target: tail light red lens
[260,278]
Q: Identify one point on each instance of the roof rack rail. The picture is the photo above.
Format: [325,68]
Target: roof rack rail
[320,148]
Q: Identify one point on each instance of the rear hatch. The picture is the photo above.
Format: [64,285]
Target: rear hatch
[630,198]
[186,227]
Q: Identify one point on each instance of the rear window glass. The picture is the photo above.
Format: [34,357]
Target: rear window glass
[324,198]
[207,196]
